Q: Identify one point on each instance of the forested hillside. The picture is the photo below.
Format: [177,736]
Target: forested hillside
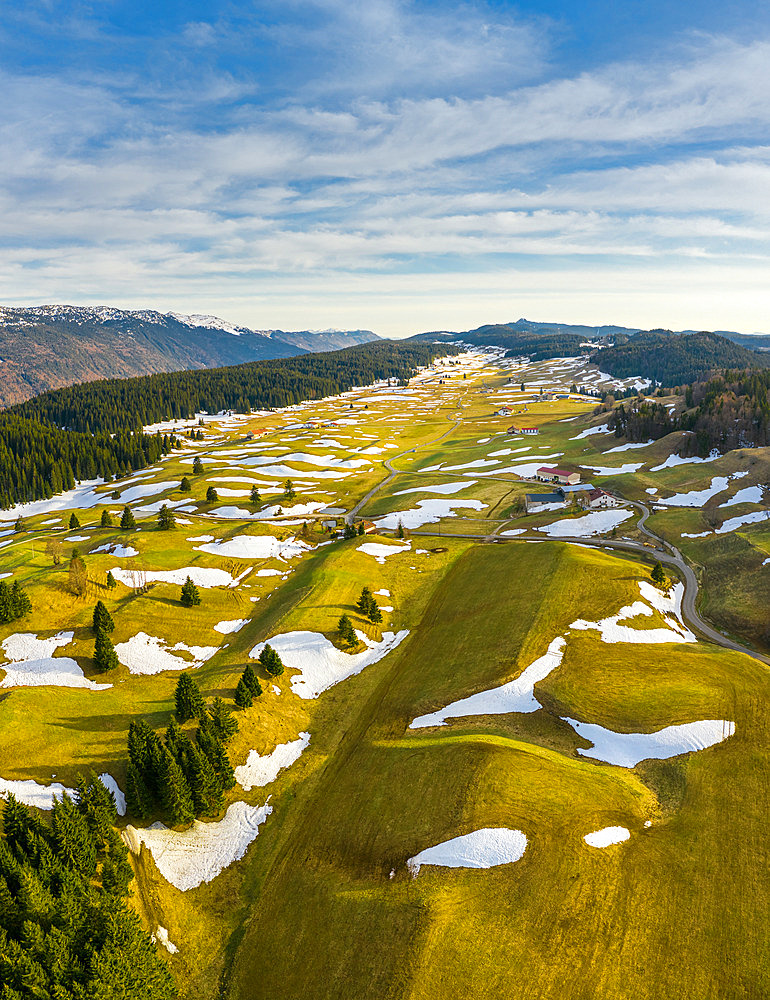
[46,347]
[92,430]
[676,359]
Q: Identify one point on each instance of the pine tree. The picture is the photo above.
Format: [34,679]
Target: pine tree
[166,519]
[105,657]
[74,522]
[111,583]
[188,699]
[197,466]
[374,614]
[255,496]
[365,601]
[400,530]
[190,596]
[106,521]
[270,660]
[288,490]
[211,495]
[243,696]
[21,524]
[251,680]
[185,486]
[658,574]
[346,631]
[223,723]
[127,521]
[102,619]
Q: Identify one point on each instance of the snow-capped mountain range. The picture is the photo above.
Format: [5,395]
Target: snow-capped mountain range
[46,347]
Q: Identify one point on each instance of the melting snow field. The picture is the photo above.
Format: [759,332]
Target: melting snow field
[620,470]
[256,547]
[381,552]
[515,696]
[591,524]
[119,551]
[607,836]
[32,794]
[426,512]
[201,852]
[611,630]
[201,576]
[320,663]
[260,771]
[446,488]
[227,628]
[696,498]
[112,786]
[145,654]
[485,848]
[32,663]
[627,749]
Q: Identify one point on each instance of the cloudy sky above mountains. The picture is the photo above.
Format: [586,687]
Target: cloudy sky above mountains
[400,166]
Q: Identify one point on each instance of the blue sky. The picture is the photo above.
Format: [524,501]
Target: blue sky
[393,165]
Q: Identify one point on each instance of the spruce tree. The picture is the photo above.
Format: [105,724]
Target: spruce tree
[138,795]
[365,601]
[166,519]
[21,524]
[111,582]
[188,699]
[349,532]
[204,783]
[374,614]
[211,495]
[271,662]
[75,846]
[223,723]
[20,602]
[658,574]
[190,596]
[185,486]
[127,521]
[197,466]
[102,618]
[74,522]
[251,680]
[288,490]
[105,657]
[255,496]
[361,530]
[214,749]
[243,696]
[400,530]
[175,794]
[346,631]
[106,521]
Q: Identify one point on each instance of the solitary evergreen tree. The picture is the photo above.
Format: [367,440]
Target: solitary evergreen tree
[105,657]
[185,486]
[211,495]
[251,680]
[127,521]
[21,524]
[190,594]
[166,519]
[288,490]
[374,614]
[400,530]
[271,661]
[346,631]
[255,496]
[658,574]
[188,699]
[365,601]
[243,696]
[106,521]
[111,583]
[197,466]
[74,522]
[102,619]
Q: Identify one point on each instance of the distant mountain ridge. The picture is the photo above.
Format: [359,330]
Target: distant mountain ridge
[50,346]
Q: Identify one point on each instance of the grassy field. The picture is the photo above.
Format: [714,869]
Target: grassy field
[322,904]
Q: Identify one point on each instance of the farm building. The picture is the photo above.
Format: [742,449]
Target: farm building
[538,502]
[596,499]
[504,411]
[550,475]
[523,430]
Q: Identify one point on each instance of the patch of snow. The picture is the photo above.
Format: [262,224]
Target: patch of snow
[260,771]
[627,749]
[696,498]
[227,628]
[427,512]
[602,429]
[320,663]
[621,470]
[146,654]
[33,664]
[630,446]
[201,576]
[750,494]
[76,538]
[674,460]
[112,786]
[514,696]
[446,488]
[381,552]
[607,836]
[695,534]
[161,936]
[738,522]
[256,547]
[382,593]
[485,848]
[201,538]
[200,853]
[32,794]
[117,550]
[595,523]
